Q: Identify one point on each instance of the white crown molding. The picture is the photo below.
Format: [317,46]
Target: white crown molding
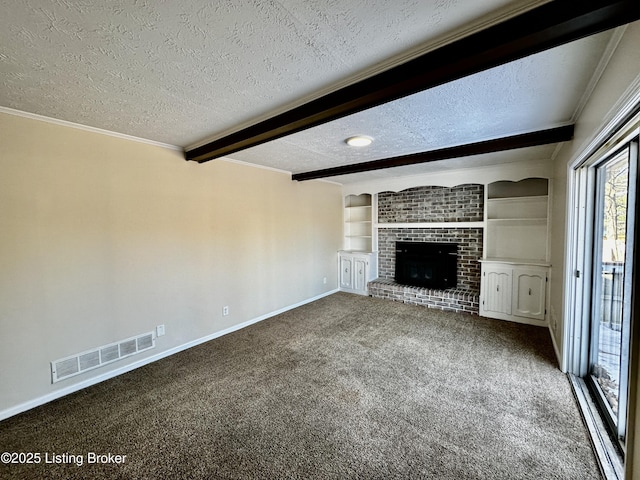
[272,169]
[64,123]
[612,122]
[610,49]
[332,182]
[86,128]
[247,164]
[556,151]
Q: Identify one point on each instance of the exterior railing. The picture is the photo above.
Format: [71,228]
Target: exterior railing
[612,294]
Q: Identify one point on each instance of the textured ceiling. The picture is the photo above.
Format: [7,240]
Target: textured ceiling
[184,72]
[535,93]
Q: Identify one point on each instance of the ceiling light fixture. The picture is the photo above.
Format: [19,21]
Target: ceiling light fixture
[359,141]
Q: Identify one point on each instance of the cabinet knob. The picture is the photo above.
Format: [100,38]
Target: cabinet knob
[498,288]
[529,291]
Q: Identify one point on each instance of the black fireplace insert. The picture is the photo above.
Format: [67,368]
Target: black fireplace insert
[426,264]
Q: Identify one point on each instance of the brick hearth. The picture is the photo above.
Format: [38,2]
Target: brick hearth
[453,299]
[464,203]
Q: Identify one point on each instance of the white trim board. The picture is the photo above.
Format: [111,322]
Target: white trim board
[86,128]
[613,121]
[450,178]
[100,131]
[615,127]
[555,345]
[432,225]
[272,169]
[36,402]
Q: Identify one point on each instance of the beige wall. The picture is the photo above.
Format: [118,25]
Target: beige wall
[621,73]
[103,238]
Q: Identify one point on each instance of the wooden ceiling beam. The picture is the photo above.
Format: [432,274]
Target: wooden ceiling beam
[550,25]
[540,137]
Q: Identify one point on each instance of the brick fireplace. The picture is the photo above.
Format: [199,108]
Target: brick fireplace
[403,216]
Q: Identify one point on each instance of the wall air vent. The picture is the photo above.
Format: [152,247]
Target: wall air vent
[82,362]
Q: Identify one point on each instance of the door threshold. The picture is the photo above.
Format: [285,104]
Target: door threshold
[607,454]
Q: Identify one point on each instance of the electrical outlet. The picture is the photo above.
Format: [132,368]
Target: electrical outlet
[225,310]
[324,280]
[159,330]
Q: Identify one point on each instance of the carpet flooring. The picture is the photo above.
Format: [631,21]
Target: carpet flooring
[347,387]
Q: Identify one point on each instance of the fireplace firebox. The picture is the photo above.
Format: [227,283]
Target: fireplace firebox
[427,264]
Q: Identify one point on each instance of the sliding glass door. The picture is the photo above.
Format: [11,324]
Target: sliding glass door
[614,217]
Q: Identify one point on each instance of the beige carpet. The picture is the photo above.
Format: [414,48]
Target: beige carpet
[345,387]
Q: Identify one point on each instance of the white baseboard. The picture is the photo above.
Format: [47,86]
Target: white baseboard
[36,402]
[560,359]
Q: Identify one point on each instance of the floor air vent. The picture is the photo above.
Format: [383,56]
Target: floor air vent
[85,361]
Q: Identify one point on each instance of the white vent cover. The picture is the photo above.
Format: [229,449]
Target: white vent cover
[97,357]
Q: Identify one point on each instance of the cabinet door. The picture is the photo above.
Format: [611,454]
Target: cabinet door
[497,291]
[345,272]
[360,274]
[529,289]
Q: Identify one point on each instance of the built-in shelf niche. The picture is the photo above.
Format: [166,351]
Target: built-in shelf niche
[358,220]
[517,216]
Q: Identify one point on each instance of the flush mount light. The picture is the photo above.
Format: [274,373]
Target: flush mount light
[359,141]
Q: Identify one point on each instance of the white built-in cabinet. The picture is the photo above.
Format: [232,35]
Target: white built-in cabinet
[356,270]
[529,286]
[511,291]
[497,287]
[358,260]
[515,265]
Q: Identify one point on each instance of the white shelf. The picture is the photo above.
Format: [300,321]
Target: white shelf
[356,201]
[517,221]
[432,225]
[358,213]
[516,251]
[517,261]
[528,198]
[517,207]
